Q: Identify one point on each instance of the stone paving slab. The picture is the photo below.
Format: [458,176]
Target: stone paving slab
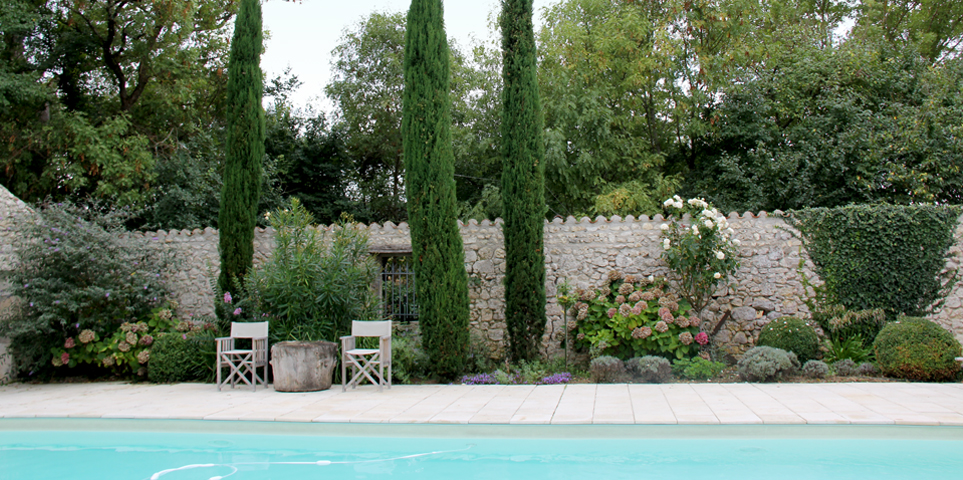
[731,404]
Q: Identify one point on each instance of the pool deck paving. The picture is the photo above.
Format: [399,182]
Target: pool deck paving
[579,404]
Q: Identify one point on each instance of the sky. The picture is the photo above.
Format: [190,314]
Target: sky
[303,34]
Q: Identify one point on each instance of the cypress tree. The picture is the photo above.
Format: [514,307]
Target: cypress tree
[437,252]
[523,183]
[245,149]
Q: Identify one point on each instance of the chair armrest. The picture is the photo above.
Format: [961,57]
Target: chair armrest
[224,343]
[347,343]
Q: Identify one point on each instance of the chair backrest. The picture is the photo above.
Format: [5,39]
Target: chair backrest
[371,329]
[249,329]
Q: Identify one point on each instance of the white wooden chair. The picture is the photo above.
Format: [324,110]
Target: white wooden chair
[243,363]
[361,362]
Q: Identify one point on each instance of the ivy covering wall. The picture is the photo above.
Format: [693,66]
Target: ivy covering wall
[881,256]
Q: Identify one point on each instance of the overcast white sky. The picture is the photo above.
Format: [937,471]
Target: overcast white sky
[303,34]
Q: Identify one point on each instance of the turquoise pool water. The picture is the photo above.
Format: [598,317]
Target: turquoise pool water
[177,450]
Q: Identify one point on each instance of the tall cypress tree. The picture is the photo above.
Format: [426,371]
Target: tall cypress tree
[523,183]
[437,251]
[245,148]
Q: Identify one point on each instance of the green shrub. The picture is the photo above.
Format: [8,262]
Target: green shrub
[606,369]
[845,367]
[633,317]
[792,335]
[917,349]
[766,364]
[847,349]
[315,283]
[881,256]
[408,359]
[77,271]
[815,369]
[841,325]
[650,369]
[181,357]
[697,368]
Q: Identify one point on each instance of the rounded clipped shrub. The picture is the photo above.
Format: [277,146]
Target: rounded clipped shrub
[650,369]
[791,334]
[815,369]
[606,369]
[917,349]
[176,357]
[845,367]
[766,364]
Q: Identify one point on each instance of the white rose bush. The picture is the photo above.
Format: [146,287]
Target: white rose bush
[699,249]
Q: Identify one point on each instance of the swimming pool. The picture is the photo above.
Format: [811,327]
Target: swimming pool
[177,450]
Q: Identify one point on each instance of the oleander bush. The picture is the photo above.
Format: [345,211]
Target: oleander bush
[845,367]
[767,364]
[315,282]
[607,369]
[182,357]
[649,369]
[791,334]
[815,369]
[917,349]
[697,368]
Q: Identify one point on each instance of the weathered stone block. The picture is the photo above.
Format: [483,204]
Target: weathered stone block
[303,366]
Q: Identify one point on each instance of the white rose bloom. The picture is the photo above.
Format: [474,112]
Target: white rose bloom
[730,231]
[667,202]
[708,223]
[651,278]
[736,241]
[720,255]
[666,243]
[695,229]
[664,226]
[678,204]
[677,198]
[717,275]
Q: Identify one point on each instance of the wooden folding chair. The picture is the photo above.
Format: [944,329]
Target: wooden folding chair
[361,362]
[243,363]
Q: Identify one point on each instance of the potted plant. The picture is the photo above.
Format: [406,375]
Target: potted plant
[314,284]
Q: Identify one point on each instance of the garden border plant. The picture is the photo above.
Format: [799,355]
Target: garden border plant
[78,273]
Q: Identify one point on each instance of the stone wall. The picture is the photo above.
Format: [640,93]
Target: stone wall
[581,252]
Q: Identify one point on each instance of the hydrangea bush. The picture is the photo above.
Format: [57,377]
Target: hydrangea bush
[699,249]
[634,317]
[78,271]
[126,351]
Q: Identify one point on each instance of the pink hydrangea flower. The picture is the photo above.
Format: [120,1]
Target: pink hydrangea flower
[685,338]
[612,312]
[702,338]
[227,297]
[237,311]
[64,358]
[69,343]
